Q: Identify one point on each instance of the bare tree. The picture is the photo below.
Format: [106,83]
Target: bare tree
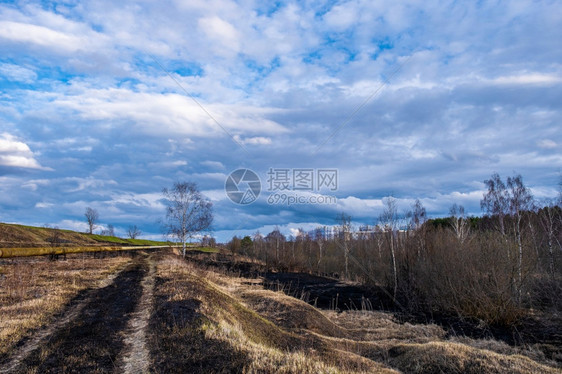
[559,202]
[208,241]
[495,202]
[520,202]
[320,238]
[548,217]
[55,240]
[92,217]
[133,232]
[259,245]
[515,201]
[345,237]
[275,237]
[110,231]
[388,219]
[418,215]
[459,223]
[188,213]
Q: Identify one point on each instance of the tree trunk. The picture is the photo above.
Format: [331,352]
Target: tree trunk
[519,260]
[393,264]
[319,255]
[346,255]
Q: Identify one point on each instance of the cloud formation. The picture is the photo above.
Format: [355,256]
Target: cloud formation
[16,154]
[104,104]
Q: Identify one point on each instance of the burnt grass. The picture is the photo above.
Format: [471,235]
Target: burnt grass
[92,341]
[333,294]
[177,340]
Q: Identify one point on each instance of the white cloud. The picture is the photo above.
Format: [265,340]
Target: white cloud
[169,164]
[532,78]
[165,114]
[340,17]
[35,183]
[150,200]
[547,144]
[46,37]
[68,224]
[90,184]
[257,140]
[220,31]
[17,73]
[15,153]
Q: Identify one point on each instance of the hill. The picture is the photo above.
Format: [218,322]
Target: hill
[12,235]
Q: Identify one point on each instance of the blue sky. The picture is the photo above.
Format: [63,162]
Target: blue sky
[448,92]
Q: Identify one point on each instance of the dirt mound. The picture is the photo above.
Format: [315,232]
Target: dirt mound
[291,313]
[447,357]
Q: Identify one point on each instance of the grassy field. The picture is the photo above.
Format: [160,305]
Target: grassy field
[83,313]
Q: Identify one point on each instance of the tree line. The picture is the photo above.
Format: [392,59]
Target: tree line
[494,268]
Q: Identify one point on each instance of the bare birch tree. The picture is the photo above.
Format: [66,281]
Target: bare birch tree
[389,219]
[495,202]
[520,203]
[188,213]
[344,238]
[459,222]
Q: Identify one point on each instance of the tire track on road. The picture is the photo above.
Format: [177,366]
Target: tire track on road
[39,338]
[136,355]
[90,336]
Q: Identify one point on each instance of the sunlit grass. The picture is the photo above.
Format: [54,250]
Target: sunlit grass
[32,292]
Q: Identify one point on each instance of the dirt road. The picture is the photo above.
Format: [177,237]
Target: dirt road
[101,332]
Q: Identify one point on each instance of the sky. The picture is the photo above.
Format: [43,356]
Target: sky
[103,104]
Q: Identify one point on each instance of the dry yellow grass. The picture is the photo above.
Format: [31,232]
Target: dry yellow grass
[374,337]
[208,321]
[439,357]
[33,291]
[257,344]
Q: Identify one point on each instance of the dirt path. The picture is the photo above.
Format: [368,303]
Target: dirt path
[135,357]
[91,335]
[41,336]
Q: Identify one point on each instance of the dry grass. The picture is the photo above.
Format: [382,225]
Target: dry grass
[17,235]
[449,357]
[326,341]
[206,321]
[202,313]
[33,291]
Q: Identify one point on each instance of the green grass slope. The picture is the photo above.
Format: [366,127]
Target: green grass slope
[12,235]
